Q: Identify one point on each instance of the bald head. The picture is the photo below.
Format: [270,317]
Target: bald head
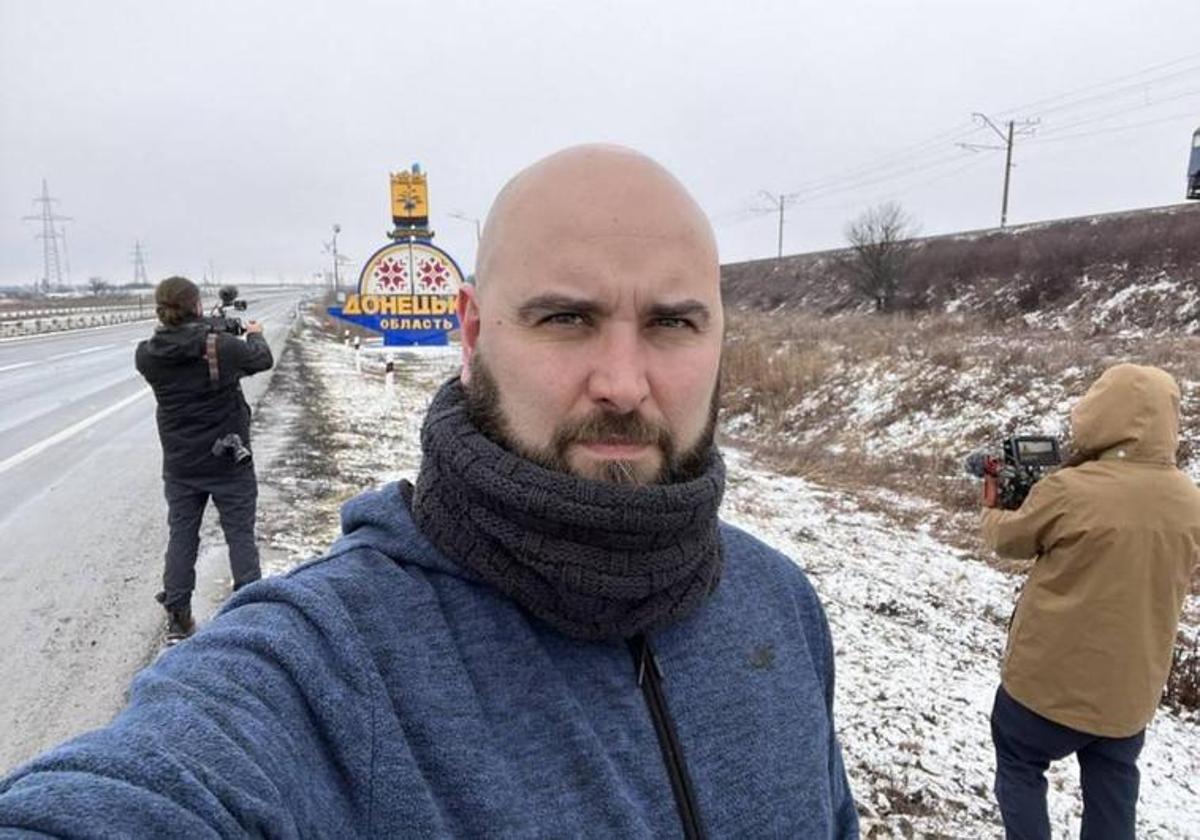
[591,191]
[592,341]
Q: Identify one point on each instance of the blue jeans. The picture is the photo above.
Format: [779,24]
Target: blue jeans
[1026,743]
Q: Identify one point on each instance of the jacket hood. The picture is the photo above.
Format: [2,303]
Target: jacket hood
[380,520]
[182,343]
[1134,407]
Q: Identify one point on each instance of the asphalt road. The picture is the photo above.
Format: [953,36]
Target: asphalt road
[83,527]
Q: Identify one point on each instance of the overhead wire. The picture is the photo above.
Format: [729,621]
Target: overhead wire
[1111,129]
[1108,115]
[1030,106]
[891,166]
[916,150]
[853,176]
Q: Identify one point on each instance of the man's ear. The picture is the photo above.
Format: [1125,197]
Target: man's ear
[468,321]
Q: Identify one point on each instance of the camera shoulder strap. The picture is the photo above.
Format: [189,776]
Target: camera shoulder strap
[210,353]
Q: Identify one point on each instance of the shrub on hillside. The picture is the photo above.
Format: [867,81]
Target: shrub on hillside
[1182,691]
[1005,274]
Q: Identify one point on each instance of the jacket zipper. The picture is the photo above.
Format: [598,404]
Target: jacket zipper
[649,677]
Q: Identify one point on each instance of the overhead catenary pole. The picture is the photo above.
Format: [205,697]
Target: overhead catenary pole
[778,203]
[457,214]
[1026,127]
[337,281]
[1007,175]
[780,249]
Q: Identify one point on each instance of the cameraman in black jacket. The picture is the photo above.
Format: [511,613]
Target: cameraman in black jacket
[194,366]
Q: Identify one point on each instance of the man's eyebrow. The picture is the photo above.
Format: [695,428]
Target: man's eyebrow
[536,306]
[684,309]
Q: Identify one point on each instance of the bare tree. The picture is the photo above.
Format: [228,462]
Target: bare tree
[98,285]
[880,248]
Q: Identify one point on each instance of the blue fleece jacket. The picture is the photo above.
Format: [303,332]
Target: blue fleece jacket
[381,691]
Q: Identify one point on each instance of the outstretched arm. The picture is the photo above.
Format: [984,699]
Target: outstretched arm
[252,355]
[242,730]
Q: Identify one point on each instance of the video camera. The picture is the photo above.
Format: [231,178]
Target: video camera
[1010,472]
[218,321]
[231,445]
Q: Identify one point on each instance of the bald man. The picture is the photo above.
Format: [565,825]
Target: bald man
[551,634]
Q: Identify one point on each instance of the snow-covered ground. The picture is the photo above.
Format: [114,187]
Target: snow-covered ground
[918,625]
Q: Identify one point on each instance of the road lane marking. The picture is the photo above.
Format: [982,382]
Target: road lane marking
[79,352]
[19,365]
[61,333]
[69,432]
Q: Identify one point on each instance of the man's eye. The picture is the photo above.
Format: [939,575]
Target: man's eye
[673,323]
[565,319]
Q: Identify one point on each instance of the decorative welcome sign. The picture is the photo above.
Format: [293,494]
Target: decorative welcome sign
[407,290]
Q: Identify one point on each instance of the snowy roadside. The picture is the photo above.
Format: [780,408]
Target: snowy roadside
[919,629]
[918,625]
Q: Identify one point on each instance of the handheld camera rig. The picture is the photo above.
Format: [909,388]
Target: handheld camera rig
[1009,473]
[218,321]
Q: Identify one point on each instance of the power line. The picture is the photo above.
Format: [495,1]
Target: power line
[1111,129]
[1120,112]
[914,151]
[746,214]
[892,175]
[928,146]
[906,189]
[1030,106]
[924,154]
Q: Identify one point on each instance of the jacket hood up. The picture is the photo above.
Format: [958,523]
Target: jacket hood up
[1131,407]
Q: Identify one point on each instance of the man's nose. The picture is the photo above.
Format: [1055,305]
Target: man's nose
[618,380]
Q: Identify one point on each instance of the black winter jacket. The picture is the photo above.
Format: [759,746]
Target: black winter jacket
[193,412]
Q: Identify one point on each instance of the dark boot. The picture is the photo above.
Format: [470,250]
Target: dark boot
[179,624]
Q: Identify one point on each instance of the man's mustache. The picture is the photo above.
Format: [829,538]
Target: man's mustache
[605,426]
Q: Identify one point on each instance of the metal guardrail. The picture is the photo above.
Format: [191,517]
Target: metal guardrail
[60,321]
[49,312]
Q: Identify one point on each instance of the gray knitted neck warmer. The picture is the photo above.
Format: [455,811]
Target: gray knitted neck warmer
[593,559]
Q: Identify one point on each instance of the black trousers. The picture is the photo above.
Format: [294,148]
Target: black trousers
[236,497]
[1026,743]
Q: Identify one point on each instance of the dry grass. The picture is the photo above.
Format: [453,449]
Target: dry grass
[790,383]
[941,363]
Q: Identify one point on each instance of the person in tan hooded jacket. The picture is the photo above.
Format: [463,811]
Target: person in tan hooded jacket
[1116,539]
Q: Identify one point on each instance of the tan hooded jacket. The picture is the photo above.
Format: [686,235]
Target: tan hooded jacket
[1116,540]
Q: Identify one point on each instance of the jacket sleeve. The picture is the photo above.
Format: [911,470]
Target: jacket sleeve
[1027,531]
[139,360]
[250,356]
[234,733]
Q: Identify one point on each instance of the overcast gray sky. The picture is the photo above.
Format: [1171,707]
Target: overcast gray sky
[238,133]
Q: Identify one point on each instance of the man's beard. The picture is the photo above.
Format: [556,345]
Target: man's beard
[482,403]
